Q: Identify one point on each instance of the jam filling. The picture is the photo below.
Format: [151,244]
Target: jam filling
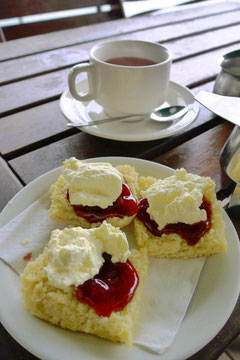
[27,257]
[191,233]
[125,205]
[111,289]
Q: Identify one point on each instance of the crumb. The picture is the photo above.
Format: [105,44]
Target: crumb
[24,241]
[27,257]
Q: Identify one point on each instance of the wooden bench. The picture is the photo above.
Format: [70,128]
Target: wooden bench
[56,15]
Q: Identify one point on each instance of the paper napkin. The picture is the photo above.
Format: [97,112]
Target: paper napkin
[167,291]
[27,233]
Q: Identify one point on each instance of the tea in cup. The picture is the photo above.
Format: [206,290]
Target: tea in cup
[125,76]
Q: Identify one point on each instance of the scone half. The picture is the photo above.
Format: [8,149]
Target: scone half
[62,211]
[61,307]
[173,245]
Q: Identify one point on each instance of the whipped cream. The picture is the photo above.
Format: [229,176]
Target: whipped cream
[75,255]
[92,184]
[176,199]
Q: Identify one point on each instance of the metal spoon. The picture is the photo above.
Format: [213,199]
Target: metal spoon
[169,113]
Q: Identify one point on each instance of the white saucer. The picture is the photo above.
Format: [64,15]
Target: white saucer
[144,130]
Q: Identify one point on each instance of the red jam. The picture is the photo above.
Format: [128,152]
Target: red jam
[111,289]
[27,257]
[191,233]
[125,205]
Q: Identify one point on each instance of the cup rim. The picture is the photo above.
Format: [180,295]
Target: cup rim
[168,51]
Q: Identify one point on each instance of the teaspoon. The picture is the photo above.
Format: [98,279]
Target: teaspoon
[166,114]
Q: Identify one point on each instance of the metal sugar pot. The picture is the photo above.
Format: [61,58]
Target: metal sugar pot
[228,80]
[228,84]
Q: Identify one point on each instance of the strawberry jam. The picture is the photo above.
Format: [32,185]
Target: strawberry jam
[111,289]
[125,205]
[191,233]
[27,257]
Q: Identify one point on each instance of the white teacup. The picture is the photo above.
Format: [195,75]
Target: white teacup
[126,86]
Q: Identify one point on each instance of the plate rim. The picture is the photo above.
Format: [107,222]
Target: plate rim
[55,172]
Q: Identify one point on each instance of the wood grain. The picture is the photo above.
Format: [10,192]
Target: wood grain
[32,128]
[201,154]
[40,43]
[42,125]
[84,146]
[9,184]
[50,86]
[186,47]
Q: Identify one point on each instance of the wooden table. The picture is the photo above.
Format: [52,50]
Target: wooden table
[33,134]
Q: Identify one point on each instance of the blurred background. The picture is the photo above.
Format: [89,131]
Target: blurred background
[21,18]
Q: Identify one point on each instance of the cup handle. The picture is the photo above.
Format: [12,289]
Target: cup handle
[74,72]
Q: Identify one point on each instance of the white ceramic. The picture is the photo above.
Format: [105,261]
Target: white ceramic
[144,130]
[212,303]
[125,89]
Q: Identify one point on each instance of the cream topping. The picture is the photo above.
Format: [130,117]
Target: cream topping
[92,184]
[75,254]
[176,199]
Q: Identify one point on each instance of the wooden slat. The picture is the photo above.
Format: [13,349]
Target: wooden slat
[234,348]
[40,43]
[201,154]
[85,146]
[32,126]
[50,86]
[9,184]
[187,28]
[201,68]
[207,41]
[49,61]
[17,69]
[38,90]
[81,145]
[40,125]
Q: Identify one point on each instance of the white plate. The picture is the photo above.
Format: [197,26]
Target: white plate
[144,130]
[211,305]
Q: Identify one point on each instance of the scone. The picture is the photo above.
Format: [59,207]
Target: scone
[179,217]
[86,194]
[50,283]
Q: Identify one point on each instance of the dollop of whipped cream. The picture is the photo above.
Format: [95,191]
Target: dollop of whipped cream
[75,255]
[92,184]
[176,199]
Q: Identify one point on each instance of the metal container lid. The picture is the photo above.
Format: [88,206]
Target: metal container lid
[230,63]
